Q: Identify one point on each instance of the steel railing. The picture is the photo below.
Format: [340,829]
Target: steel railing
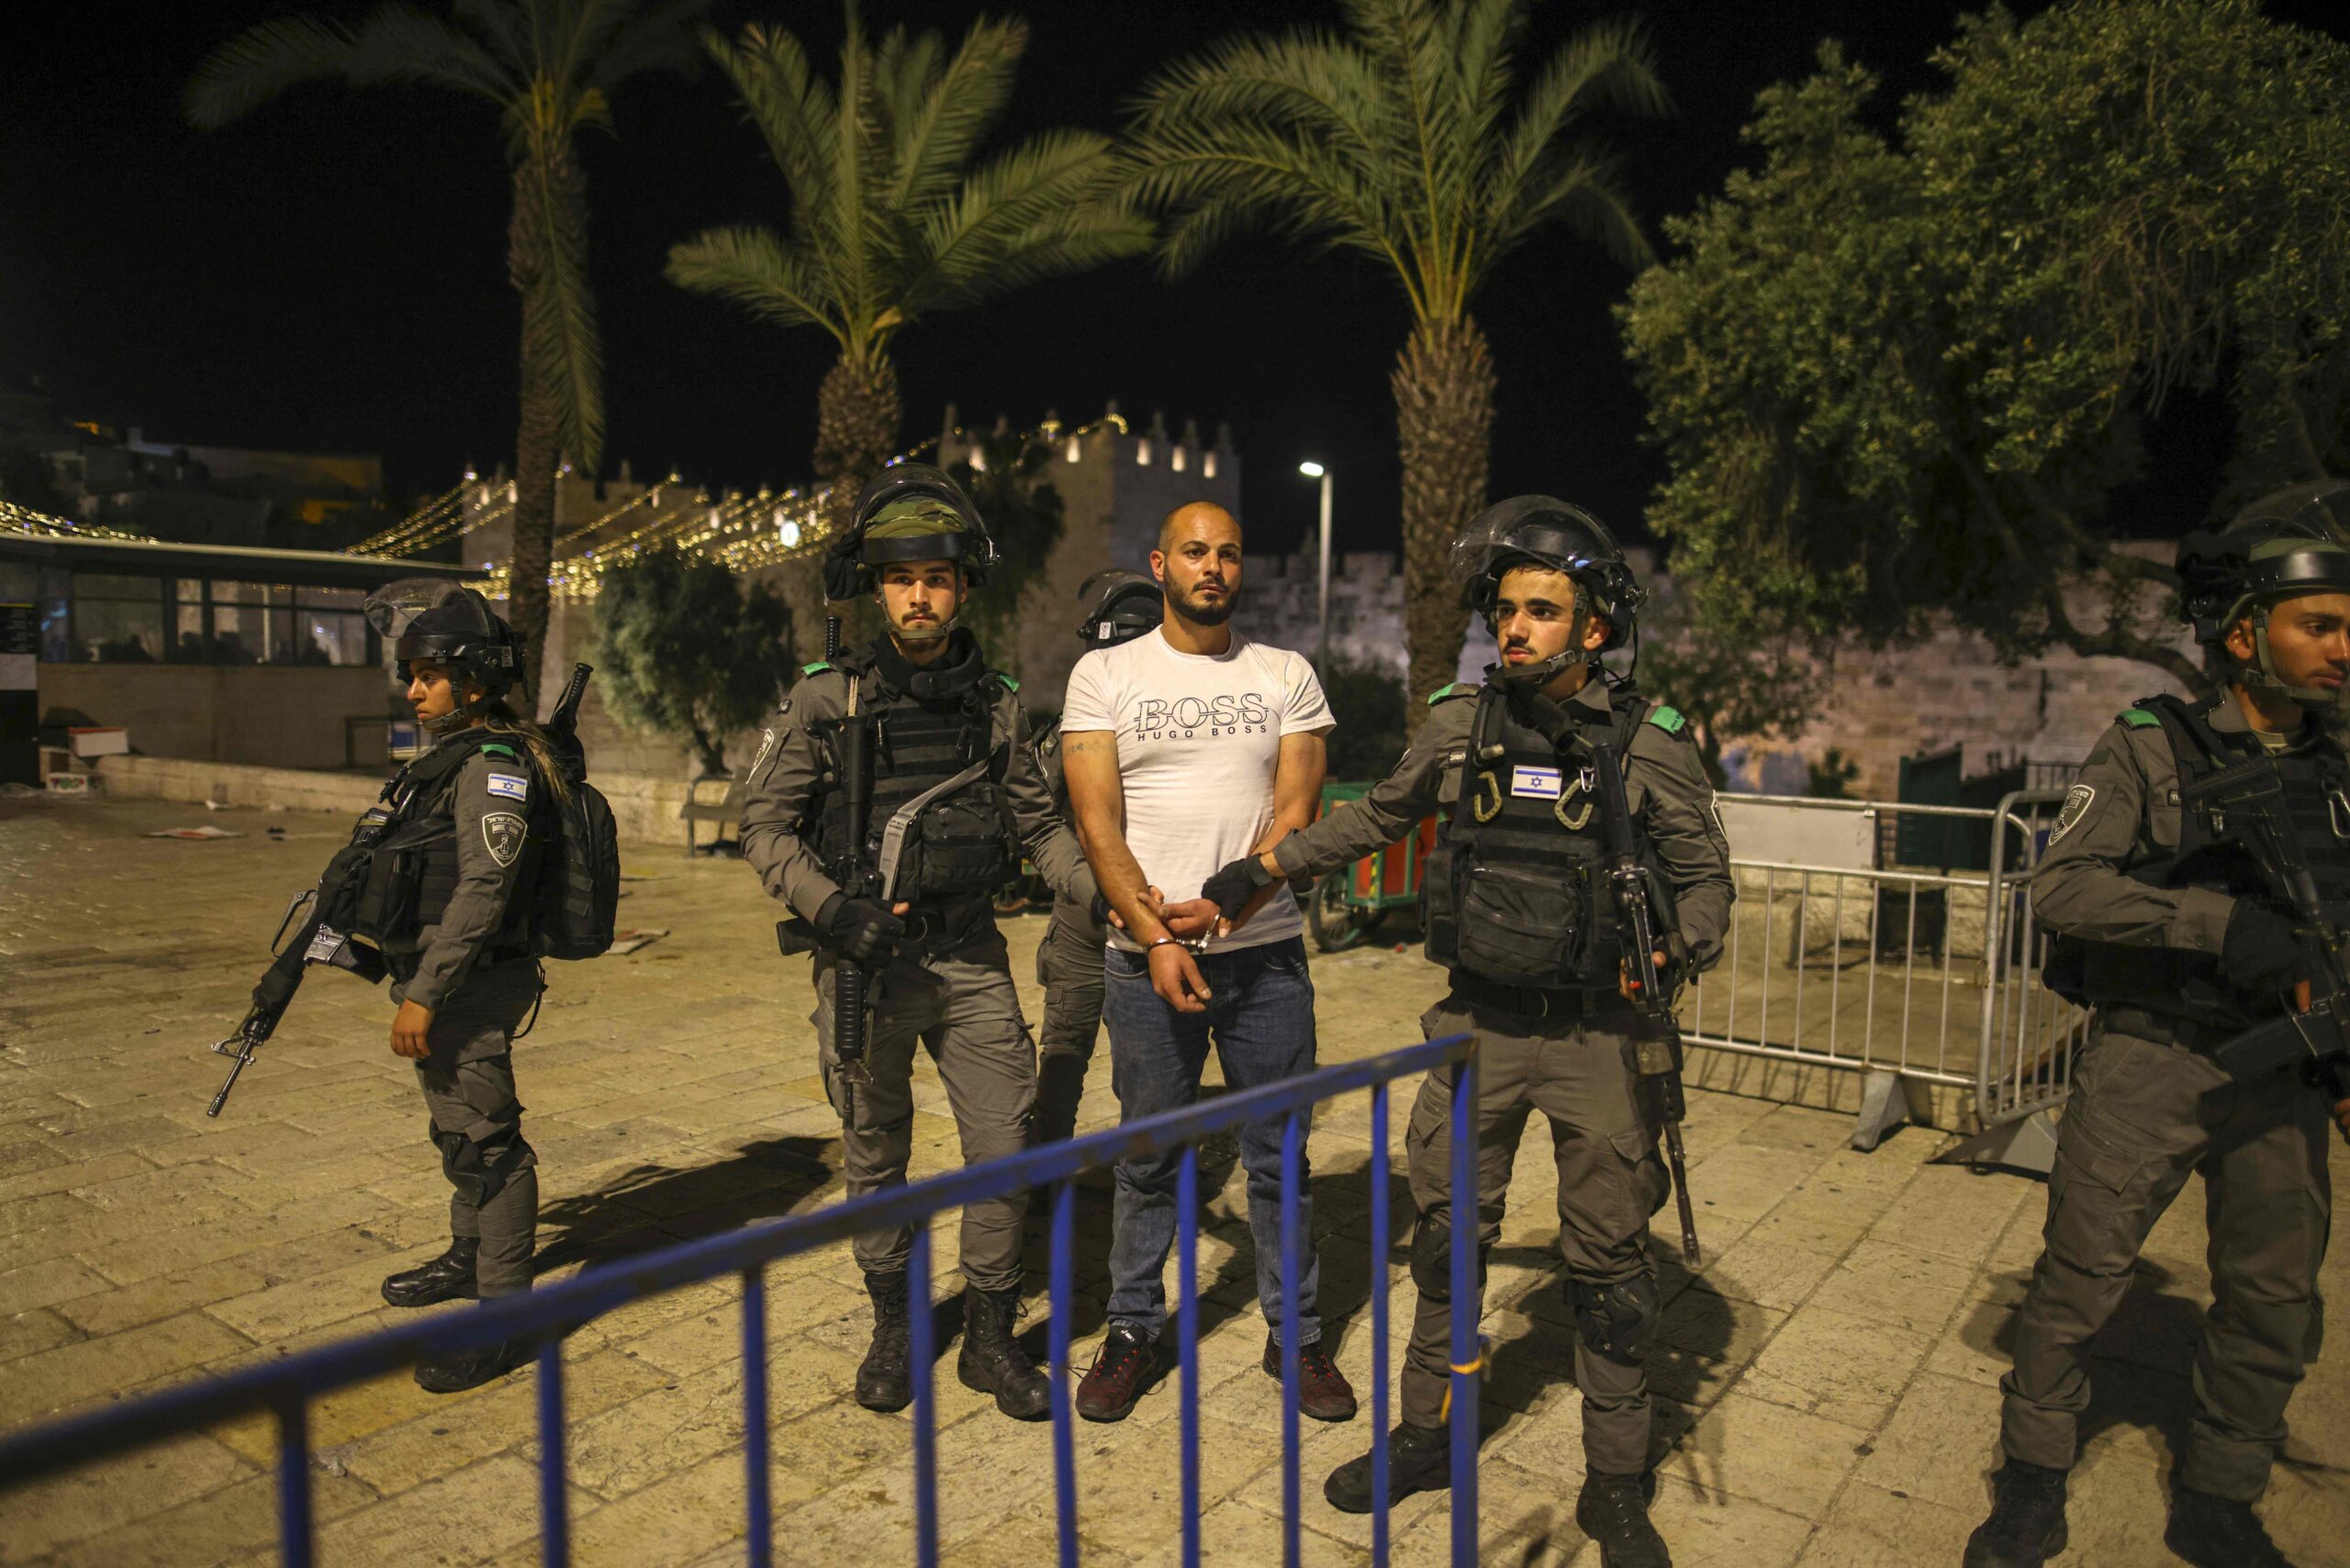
[1921,978]
[287,1388]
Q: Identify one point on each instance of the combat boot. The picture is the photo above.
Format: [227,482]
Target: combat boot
[447,1277]
[1418,1460]
[885,1379]
[453,1371]
[1614,1512]
[992,1361]
[2027,1523]
[2217,1532]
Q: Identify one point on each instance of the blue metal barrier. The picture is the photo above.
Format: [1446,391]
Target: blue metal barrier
[286,1388]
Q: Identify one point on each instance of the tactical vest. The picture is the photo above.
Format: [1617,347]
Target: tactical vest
[965,843]
[1515,891]
[398,874]
[2190,985]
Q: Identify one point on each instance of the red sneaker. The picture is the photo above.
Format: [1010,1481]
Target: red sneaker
[1323,1391]
[1122,1371]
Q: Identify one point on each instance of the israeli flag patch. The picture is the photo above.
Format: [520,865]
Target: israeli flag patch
[507,786]
[1535,783]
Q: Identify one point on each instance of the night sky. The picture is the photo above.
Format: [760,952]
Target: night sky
[329,274]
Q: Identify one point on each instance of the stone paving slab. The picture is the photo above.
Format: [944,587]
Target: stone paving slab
[1827,1384]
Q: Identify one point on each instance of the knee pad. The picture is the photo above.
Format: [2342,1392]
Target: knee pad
[1617,1318]
[1432,1260]
[479,1174]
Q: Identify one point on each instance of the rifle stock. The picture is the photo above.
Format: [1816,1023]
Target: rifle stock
[1658,1050]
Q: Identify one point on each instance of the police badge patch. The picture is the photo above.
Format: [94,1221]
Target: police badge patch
[766,745]
[2076,804]
[502,832]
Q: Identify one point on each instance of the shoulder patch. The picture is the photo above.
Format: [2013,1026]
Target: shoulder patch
[1669,719]
[507,786]
[1444,693]
[502,834]
[1009,684]
[500,748]
[815,667]
[2077,800]
[2140,719]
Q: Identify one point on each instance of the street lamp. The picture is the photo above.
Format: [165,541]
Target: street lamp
[1313,470]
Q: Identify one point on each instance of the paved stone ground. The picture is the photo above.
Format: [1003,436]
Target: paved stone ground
[1830,1375]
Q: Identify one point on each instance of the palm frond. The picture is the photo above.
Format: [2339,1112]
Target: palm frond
[649,39]
[793,108]
[1581,190]
[755,268]
[1610,64]
[1049,205]
[940,117]
[393,43]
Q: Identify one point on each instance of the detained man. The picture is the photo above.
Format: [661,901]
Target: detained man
[1182,749]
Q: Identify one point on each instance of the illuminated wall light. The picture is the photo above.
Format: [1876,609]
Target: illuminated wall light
[978,461]
[1207,466]
[789,533]
[1176,461]
[1142,453]
[1072,454]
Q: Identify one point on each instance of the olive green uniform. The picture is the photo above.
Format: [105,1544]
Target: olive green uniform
[1069,966]
[480,993]
[952,994]
[2147,1110]
[1577,1071]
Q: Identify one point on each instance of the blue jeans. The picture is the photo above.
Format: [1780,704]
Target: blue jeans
[1261,1023]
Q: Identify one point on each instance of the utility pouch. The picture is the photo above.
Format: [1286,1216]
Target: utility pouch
[1517,927]
[1439,903]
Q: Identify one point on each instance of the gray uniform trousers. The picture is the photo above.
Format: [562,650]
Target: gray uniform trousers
[1069,966]
[1579,1073]
[468,1083]
[962,1009]
[2142,1118]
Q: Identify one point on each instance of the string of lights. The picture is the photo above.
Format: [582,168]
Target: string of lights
[15,518]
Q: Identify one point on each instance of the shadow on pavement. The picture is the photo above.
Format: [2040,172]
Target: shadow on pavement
[650,1206]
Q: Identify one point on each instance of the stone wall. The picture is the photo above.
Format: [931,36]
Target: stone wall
[274,715]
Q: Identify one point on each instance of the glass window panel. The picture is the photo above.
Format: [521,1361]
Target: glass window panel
[281,645]
[187,647]
[330,599]
[190,589]
[112,631]
[237,634]
[56,632]
[236,593]
[102,585]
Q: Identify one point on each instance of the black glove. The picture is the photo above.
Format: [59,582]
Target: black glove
[1234,886]
[2262,949]
[863,930]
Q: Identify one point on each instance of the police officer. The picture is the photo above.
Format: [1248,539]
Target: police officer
[1120,606]
[440,884]
[1516,910]
[941,976]
[2165,926]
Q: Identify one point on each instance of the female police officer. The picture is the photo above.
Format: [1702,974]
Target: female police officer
[441,881]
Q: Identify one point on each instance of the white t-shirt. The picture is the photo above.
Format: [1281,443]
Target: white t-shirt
[1199,738]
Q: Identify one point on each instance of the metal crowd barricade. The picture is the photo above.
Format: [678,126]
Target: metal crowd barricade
[287,1388]
[1842,957]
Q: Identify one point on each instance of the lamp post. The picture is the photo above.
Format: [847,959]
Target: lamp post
[1313,470]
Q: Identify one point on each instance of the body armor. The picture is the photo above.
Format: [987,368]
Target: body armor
[2190,985]
[1514,893]
[399,872]
[965,845]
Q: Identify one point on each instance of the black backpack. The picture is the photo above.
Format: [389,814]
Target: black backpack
[579,895]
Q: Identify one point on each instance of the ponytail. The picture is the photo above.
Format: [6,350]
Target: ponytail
[500,719]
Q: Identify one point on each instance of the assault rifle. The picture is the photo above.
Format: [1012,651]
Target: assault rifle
[1657,1048]
[2314,1033]
[271,997]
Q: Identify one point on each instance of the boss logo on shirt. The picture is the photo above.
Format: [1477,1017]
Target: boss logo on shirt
[1198,718]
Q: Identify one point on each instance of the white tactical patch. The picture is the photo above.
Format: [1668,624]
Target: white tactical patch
[503,833]
[1535,783]
[766,745]
[2076,805]
[507,786]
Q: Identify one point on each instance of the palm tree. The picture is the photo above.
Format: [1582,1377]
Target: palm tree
[549,67]
[892,216]
[1410,138]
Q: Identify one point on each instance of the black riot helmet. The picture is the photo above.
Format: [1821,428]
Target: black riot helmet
[434,621]
[1120,606]
[2283,545]
[1542,531]
[909,511]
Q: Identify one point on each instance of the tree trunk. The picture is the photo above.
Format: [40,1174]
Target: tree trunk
[537,443]
[857,414]
[1444,415]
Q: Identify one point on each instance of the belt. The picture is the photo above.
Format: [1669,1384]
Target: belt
[1528,1001]
[2165,1028]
